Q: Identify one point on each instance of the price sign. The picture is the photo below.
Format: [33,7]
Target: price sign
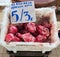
[22,12]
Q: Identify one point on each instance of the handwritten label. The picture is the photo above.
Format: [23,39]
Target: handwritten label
[22,12]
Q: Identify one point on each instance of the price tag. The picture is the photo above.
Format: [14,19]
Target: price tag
[22,12]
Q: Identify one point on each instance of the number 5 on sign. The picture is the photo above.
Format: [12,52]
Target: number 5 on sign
[22,12]
[14,14]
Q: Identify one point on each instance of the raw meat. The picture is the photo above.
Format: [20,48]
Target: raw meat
[9,37]
[28,37]
[31,27]
[41,38]
[43,30]
[13,29]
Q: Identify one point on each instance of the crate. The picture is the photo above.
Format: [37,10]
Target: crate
[30,46]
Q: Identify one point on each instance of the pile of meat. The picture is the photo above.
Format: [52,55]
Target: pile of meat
[29,32]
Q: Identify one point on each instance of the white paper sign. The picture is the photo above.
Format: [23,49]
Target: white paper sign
[22,12]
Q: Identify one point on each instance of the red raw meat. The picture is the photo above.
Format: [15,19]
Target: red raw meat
[13,29]
[31,27]
[43,30]
[28,37]
[16,39]
[41,38]
[9,37]
[18,35]
[48,26]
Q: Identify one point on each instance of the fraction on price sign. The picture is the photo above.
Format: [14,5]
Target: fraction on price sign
[22,12]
